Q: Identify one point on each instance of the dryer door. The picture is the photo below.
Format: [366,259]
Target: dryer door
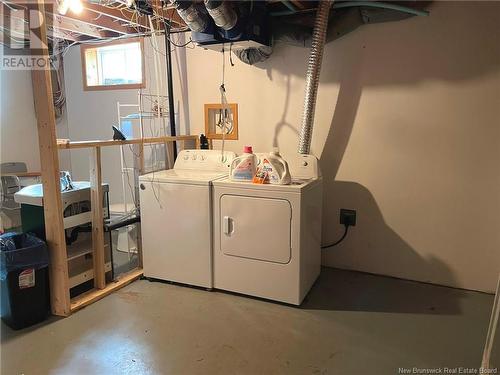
[256,228]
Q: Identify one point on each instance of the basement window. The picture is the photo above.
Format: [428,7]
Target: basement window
[113,66]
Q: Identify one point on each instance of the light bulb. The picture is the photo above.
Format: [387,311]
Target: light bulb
[76,6]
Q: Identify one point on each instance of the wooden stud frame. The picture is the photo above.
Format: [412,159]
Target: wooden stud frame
[61,304]
[101,289]
[86,87]
[217,106]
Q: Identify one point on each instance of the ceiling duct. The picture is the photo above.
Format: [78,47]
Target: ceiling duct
[241,26]
[222,13]
[194,14]
[252,55]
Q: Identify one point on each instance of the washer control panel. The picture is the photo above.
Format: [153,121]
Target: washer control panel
[209,160]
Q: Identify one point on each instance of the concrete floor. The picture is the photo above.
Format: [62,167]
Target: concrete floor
[351,323]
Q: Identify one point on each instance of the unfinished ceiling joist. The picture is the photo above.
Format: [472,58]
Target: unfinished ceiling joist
[125,16]
[103,22]
[96,21]
[67,24]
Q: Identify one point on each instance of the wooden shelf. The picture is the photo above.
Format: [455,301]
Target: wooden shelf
[67,144]
[78,219]
[81,248]
[83,273]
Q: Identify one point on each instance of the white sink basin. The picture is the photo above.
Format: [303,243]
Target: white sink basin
[33,194]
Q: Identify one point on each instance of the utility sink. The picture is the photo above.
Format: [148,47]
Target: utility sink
[33,194]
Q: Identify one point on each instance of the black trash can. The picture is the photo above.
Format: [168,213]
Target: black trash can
[24,280]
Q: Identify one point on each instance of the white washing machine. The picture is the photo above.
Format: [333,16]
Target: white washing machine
[176,217]
[267,238]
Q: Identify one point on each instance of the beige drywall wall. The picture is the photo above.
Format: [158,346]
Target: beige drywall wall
[19,134]
[18,120]
[408,133]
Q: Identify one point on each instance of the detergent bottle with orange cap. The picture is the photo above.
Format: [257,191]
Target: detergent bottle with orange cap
[273,169]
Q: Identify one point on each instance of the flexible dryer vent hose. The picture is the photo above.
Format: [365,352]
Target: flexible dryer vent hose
[312,75]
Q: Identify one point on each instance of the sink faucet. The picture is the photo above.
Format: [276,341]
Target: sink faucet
[66,183]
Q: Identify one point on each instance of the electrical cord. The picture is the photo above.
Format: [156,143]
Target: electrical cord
[339,240]
[181,45]
[230,54]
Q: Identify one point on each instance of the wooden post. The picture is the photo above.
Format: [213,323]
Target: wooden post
[49,161]
[96,198]
[138,170]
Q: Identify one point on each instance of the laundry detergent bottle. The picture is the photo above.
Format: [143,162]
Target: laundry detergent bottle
[277,168]
[243,167]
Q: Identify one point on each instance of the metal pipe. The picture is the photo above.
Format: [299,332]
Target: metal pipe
[170,88]
[349,4]
[312,75]
[289,12]
[290,6]
[381,5]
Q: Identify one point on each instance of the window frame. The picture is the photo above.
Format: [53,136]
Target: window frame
[124,86]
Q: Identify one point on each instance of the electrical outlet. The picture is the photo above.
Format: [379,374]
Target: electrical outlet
[348,217]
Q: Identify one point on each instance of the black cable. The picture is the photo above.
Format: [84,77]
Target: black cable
[230,54]
[339,240]
[180,45]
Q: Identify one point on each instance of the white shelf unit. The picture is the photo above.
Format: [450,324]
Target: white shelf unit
[81,269]
[158,122]
[80,266]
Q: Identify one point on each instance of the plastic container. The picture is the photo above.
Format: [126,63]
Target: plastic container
[24,280]
[243,167]
[273,169]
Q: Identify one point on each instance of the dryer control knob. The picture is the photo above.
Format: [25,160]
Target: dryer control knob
[305,164]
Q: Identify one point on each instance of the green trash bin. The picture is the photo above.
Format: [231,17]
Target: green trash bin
[24,280]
